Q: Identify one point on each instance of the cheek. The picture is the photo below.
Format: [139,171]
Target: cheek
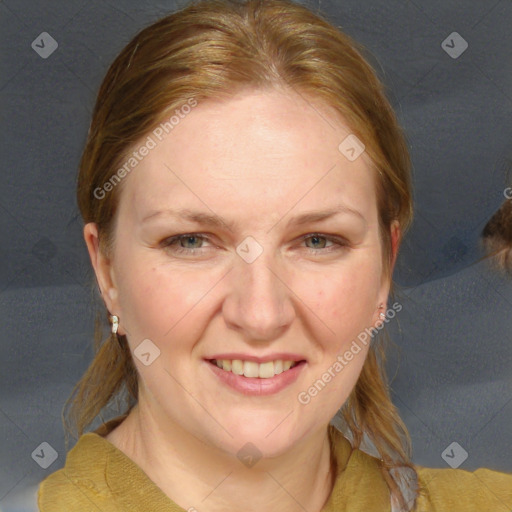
[146,301]
[345,300]
[160,303]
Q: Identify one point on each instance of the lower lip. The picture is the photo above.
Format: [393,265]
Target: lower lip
[255,386]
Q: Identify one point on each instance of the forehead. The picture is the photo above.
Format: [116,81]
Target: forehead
[258,151]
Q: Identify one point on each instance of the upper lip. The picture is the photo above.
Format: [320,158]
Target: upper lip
[284,356]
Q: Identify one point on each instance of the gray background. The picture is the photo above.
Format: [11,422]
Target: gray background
[453,366]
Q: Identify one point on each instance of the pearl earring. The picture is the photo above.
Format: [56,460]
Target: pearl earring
[115,323]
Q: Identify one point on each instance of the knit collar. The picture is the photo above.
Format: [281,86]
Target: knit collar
[358,480]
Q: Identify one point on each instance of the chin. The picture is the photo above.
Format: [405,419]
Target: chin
[268,438]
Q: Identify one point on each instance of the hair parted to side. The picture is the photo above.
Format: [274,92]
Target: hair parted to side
[210,50]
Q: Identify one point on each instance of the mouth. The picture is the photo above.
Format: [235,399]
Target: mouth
[254,370]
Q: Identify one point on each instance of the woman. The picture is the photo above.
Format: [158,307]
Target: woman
[258,134]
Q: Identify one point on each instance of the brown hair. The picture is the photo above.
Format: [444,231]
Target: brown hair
[497,236]
[210,50]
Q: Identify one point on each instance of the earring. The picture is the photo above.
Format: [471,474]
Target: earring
[115,323]
[382,315]
[115,326]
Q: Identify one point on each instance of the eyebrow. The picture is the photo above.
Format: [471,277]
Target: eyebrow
[216,221]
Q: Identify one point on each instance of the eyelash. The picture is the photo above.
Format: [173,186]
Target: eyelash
[169,242]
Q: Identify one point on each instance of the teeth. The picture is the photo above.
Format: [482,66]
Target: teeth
[252,369]
[236,366]
[266,370]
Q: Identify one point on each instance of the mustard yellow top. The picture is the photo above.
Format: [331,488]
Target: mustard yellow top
[99,477]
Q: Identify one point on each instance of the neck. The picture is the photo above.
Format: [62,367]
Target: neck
[199,476]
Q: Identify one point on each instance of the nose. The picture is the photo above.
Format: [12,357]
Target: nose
[259,304]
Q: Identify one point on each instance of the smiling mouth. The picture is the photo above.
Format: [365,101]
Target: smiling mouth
[255,370]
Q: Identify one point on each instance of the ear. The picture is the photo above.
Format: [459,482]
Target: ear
[103,270]
[396,235]
[396,238]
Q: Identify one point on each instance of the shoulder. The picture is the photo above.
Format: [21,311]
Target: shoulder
[483,490]
[435,490]
[80,484]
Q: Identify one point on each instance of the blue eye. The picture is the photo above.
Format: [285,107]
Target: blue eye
[174,243]
[316,237]
[338,243]
[171,242]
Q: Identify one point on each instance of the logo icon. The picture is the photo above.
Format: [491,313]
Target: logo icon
[249,249]
[454,45]
[454,455]
[146,352]
[45,455]
[44,45]
[351,147]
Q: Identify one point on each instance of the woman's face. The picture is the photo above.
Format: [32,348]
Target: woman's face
[258,290]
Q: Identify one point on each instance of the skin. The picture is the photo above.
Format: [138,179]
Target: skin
[259,159]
